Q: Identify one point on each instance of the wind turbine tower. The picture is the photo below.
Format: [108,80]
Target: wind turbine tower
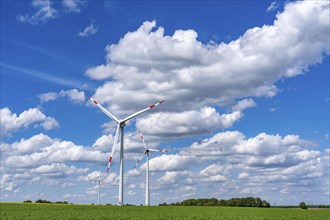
[146,154]
[99,183]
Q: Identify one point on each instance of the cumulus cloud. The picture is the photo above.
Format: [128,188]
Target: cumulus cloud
[265,163]
[186,123]
[174,177]
[191,75]
[251,166]
[220,145]
[243,104]
[171,162]
[27,146]
[75,96]
[41,149]
[8,183]
[196,78]
[47,161]
[263,150]
[106,178]
[11,122]
[57,170]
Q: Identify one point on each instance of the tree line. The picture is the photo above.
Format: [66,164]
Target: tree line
[45,201]
[239,202]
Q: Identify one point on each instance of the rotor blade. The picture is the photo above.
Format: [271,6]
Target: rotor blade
[140,112]
[155,150]
[145,146]
[143,155]
[115,143]
[104,110]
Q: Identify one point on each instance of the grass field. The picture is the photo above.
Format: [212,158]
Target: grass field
[18,211]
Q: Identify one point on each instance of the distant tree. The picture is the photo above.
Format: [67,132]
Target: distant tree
[242,202]
[303,205]
[212,202]
[189,202]
[265,204]
[221,202]
[27,201]
[60,202]
[42,201]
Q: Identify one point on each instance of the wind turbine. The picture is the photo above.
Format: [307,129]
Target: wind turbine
[120,131]
[146,154]
[99,183]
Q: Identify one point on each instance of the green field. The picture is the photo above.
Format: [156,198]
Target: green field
[17,211]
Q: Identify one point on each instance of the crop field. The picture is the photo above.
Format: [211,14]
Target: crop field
[18,211]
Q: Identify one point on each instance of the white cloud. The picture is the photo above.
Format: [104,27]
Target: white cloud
[41,149]
[106,178]
[196,78]
[262,150]
[220,145]
[266,145]
[273,6]
[185,123]
[11,123]
[57,170]
[73,5]
[174,177]
[192,75]
[45,11]
[73,95]
[216,169]
[8,183]
[288,166]
[50,96]
[201,166]
[27,146]
[88,31]
[104,143]
[243,104]
[170,162]
[243,175]
[215,173]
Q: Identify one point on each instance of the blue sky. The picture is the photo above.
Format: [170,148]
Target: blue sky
[246,86]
